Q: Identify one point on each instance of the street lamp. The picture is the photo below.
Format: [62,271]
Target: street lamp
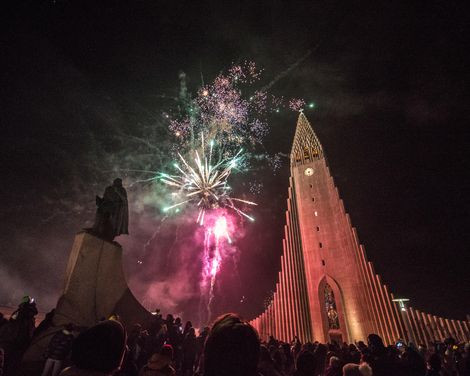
[401,303]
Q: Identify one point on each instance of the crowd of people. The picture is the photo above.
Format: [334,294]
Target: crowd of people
[230,347]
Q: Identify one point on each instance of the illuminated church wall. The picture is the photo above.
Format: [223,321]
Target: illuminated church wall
[327,289]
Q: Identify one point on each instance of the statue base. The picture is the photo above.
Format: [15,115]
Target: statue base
[95,288]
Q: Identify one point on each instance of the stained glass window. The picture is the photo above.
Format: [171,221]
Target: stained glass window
[330,307]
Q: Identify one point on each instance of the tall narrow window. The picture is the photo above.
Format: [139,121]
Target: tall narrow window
[330,308]
[306,155]
[318,228]
[320,244]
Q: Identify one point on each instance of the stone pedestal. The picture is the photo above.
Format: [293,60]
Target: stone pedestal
[94,288]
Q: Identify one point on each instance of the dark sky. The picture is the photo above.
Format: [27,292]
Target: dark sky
[390,84]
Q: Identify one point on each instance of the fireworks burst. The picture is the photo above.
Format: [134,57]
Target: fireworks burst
[229,109]
[218,132]
[204,183]
[221,112]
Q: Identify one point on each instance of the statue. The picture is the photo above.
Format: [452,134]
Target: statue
[112,213]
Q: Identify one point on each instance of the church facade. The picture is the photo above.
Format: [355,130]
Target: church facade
[327,289]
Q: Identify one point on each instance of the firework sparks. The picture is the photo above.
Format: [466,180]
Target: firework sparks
[297,104]
[204,183]
[231,111]
[223,113]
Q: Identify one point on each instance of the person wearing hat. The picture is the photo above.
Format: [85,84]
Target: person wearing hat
[351,369]
[98,351]
[58,349]
[334,367]
[306,364]
[232,348]
[15,335]
[159,363]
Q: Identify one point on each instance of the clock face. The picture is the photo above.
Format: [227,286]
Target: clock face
[308,171]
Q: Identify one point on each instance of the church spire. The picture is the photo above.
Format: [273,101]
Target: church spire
[306,146]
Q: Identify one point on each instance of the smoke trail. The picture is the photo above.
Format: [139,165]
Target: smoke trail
[336,24]
[283,74]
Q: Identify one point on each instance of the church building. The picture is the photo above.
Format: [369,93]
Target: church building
[327,289]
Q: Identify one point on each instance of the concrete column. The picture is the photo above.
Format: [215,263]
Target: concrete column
[386,335]
[399,319]
[391,307]
[388,318]
[419,336]
[424,328]
[372,309]
[292,305]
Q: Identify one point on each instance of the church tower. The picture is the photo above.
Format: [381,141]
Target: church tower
[327,289]
[337,303]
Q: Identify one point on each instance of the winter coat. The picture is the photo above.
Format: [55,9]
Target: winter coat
[60,345]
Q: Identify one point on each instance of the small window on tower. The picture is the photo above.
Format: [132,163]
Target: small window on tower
[320,244]
[306,154]
[323,262]
[313,198]
[316,213]
[311,185]
[318,228]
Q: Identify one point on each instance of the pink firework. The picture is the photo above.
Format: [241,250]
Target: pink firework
[215,267]
[221,228]
[217,238]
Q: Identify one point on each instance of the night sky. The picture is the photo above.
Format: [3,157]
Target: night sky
[83,81]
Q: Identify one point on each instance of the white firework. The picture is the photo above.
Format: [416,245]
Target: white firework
[204,183]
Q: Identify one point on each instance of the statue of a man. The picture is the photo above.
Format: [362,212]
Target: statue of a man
[112,213]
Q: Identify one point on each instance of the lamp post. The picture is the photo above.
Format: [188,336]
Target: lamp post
[406,318]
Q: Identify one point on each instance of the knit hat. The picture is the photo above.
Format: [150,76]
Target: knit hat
[306,362]
[167,350]
[100,348]
[334,361]
[158,361]
[351,369]
[365,369]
